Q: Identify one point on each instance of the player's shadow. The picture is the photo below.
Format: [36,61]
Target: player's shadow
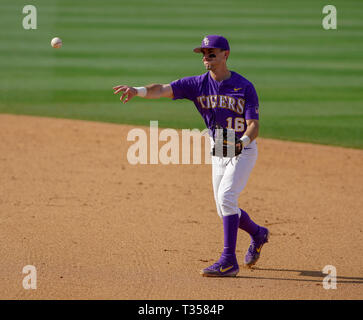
[303,273]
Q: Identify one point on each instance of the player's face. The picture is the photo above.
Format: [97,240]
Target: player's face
[213,57]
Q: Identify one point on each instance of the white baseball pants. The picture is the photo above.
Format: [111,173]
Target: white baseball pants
[230,176]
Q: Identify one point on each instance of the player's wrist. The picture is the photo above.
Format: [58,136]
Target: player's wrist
[245,141]
[141,91]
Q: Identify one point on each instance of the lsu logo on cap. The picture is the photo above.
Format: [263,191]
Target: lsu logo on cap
[206,41]
[256,109]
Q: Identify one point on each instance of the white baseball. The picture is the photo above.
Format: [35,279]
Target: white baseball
[56,42]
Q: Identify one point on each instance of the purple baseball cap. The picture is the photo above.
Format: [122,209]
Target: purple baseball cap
[213,41]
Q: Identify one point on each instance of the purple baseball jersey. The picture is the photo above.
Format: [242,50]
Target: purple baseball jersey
[228,103]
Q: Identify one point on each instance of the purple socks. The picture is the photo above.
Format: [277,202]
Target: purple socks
[230,226]
[246,224]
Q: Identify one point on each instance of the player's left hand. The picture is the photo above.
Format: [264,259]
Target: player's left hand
[229,148]
[238,147]
[128,92]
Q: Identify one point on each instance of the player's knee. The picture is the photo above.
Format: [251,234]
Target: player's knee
[227,202]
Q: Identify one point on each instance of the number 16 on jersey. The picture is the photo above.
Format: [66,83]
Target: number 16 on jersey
[237,125]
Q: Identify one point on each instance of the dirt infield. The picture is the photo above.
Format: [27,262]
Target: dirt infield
[96,227]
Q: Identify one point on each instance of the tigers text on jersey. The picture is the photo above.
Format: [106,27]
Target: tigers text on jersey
[228,103]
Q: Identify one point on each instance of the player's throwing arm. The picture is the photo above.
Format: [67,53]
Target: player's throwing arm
[152,91]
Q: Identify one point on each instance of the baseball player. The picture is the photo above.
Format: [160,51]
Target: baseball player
[228,103]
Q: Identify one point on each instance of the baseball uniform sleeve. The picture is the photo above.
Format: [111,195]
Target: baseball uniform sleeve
[252,106]
[184,88]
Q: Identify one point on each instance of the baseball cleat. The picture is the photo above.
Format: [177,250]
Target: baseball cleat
[254,250]
[222,268]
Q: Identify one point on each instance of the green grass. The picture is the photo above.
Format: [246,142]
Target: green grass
[309,80]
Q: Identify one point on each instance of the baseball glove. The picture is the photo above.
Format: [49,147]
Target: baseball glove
[226,143]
